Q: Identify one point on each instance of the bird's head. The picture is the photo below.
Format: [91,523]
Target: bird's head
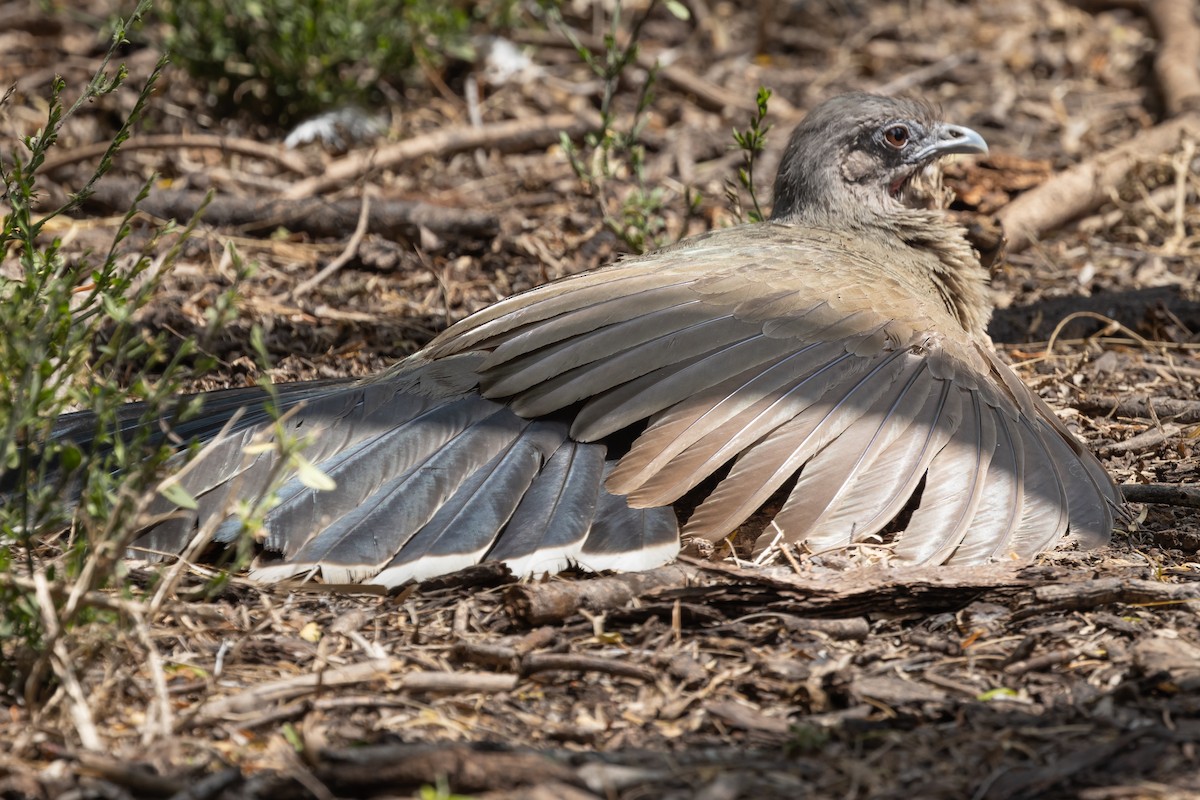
[856,155]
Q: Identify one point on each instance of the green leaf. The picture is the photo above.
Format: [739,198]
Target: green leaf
[178,495]
[678,10]
[311,475]
[293,737]
[70,458]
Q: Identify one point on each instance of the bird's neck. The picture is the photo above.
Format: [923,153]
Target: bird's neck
[939,257]
[955,271]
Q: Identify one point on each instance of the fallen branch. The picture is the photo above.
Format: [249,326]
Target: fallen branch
[1161,408]
[746,590]
[226,144]
[508,136]
[315,216]
[542,603]
[1146,440]
[1085,187]
[254,698]
[1163,494]
[870,590]
[1090,594]
[1176,65]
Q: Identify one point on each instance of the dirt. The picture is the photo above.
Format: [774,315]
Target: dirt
[1077,676]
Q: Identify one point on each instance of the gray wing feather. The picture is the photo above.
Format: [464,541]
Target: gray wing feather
[840,477]
[549,526]
[469,521]
[627,538]
[886,486]
[364,525]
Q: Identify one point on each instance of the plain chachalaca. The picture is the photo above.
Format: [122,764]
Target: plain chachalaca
[834,356]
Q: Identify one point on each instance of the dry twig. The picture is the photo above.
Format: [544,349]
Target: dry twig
[360,230]
[316,216]
[1086,186]
[256,697]
[1176,64]
[227,144]
[508,136]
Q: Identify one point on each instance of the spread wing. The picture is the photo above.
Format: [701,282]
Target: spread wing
[796,362]
[558,426]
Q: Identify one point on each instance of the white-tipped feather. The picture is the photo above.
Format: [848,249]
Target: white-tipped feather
[372,532]
[620,535]
[469,521]
[548,528]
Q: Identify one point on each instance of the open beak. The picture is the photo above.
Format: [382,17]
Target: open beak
[954,139]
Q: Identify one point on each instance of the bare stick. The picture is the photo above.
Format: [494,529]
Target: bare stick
[318,216]
[360,230]
[541,603]
[158,726]
[227,144]
[1086,186]
[254,698]
[531,663]
[1164,494]
[1177,66]
[510,135]
[1182,411]
[63,665]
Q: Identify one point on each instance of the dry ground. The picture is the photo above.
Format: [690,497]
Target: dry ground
[1078,676]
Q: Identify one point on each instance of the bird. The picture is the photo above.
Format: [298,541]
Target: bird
[825,375]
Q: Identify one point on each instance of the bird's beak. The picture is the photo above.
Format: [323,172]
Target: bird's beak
[954,139]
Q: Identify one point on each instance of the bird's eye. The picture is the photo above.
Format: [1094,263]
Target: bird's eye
[896,137]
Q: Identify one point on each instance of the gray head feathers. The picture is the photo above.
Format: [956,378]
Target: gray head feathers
[853,155]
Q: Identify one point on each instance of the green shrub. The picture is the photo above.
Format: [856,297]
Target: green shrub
[73,340]
[287,59]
